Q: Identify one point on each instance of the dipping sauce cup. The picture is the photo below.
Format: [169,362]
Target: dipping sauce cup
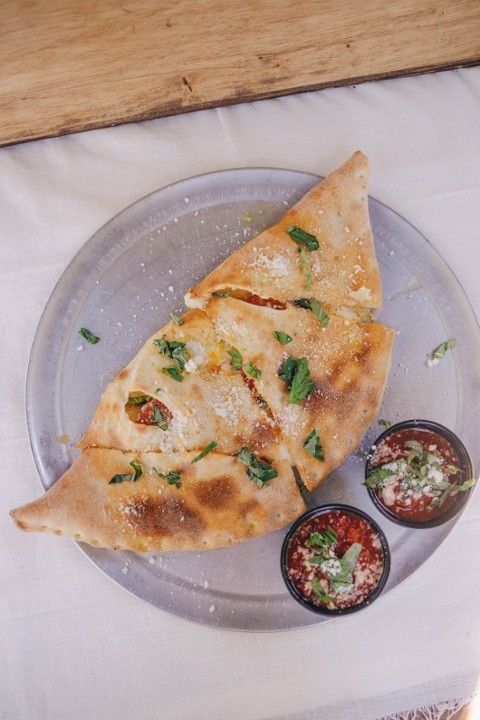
[419,474]
[335,560]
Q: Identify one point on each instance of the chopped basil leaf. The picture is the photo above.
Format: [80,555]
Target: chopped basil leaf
[301,384]
[158,418]
[88,336]
[174,350]
[287,370]
[173,372]
[249,367]
[377,477]
[342,582]
[177,320]
[211,446]
[319,312]
[222,294]
[304,238]
[313,446]
[317,589]
[128,477]
[305,269]
[440,351]
[253,371]
[323,540]
[282,337]
[385,423]
[296,374]
[172,478]
[137,399]
[257,471]
[413,445]
[313,305]
[237,360]
[303,303]
[454,489]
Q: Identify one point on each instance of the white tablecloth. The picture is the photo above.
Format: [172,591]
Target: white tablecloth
[73,645]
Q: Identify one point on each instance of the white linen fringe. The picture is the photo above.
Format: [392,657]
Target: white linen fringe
[445,710]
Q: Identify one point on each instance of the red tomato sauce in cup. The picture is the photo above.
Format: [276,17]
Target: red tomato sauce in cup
[416,474]
[334,559]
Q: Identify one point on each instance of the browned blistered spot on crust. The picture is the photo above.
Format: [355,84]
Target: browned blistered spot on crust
[163,517]
[335,395]
[123,374]
[216,494]
[249,507]
[262,437]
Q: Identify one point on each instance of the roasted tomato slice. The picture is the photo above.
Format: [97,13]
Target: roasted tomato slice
[154,412]
[253,299]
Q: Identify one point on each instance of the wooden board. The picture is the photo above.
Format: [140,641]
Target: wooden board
[72,65]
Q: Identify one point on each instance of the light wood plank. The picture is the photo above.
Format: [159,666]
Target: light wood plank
[72,65]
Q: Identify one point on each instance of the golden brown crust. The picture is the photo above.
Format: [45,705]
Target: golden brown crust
[212,403]
[344,269]
[348,361]
[216,505]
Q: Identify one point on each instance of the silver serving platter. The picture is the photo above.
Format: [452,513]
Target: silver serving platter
[124,284]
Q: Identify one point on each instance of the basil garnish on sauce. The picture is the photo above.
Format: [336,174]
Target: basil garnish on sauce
[342,582]
[323,540]
[211,446]
[296,373]
[89,336]
[303,238]
[128,477]
[313,305]
[377,477]
[172,478]
[260,473]
[313,446]
[282,337]
[318,591]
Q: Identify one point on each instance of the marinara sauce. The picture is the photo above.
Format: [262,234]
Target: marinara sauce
[416,474]
[335,559]
[253,299]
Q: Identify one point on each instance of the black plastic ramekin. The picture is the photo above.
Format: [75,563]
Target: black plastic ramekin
[323,609]
[465,466]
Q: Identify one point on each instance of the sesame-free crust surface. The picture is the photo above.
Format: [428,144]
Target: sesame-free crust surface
[344,268]
[348,361]
[342,396]
[215,506]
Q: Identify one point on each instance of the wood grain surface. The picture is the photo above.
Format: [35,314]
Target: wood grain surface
[72,65]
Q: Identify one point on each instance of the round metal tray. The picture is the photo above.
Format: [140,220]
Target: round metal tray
[124,284]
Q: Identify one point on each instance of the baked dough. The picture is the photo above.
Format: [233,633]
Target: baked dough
[278,364]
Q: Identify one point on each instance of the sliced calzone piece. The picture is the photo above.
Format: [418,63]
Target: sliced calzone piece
[180,392]
[150,502]
[322,376]
[323,245]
